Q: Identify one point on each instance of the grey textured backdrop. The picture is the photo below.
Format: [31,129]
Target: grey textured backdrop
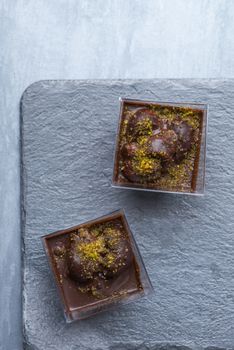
[43,39]
[187,243]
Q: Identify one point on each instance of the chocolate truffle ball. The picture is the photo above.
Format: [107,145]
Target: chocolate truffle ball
[185,134]
[93,256]
[83,256]
[129,150]
[142,122]
[119,255]
[163,145]
[142,169]
[129,173]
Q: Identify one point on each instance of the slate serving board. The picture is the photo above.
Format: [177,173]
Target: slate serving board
[67,134]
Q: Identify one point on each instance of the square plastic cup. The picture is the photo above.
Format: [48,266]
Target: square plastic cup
[161,147]
[126,281]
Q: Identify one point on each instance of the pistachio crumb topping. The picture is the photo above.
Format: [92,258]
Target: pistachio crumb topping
[144,127]
[92,250]
[178,172]
[143,165]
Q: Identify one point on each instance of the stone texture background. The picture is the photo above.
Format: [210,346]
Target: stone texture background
[68,133]
[84,39]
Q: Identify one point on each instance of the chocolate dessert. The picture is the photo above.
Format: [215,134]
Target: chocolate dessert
[158,146]
[95,264]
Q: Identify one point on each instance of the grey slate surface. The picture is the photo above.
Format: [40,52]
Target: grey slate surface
[111,39]
[68,133]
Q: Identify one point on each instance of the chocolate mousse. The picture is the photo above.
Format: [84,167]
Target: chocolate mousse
[158,146]
[96,264]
